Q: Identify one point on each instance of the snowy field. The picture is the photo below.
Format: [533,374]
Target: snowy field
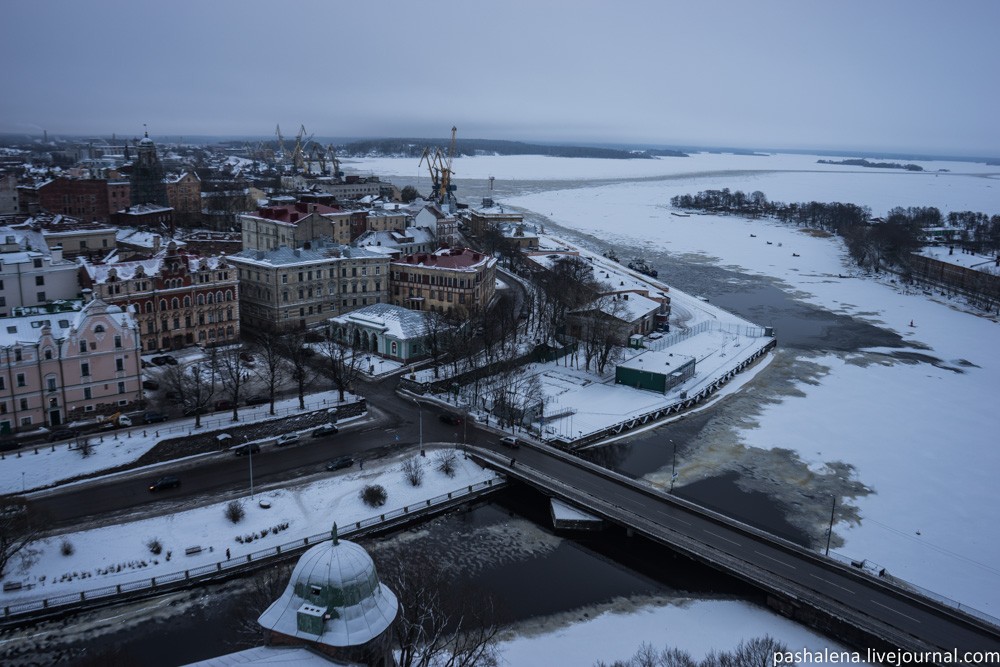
[918,434]
[120,553]
[695,626]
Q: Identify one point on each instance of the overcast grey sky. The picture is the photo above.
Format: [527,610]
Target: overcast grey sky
[893,75]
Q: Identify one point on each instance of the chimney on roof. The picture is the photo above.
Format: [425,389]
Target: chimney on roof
[57,254]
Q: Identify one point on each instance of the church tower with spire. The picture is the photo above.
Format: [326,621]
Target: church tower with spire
[147,175]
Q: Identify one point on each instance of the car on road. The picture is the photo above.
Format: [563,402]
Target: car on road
[9,445]
[224,405]
[164,483]
[151,385]
[325,429]
[340,463]
[258,400]
[164,360]
[154,417]
[510,441]
[61,434]
[449,418]
[286,439]
[243,450]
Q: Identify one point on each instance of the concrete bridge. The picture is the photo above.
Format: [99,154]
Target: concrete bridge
[859,608]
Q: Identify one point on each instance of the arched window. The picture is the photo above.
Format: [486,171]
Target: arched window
[200,299]
[229,331]
[229,295]
[48,353]
[163,304]
[210,298]
[148,307]
[187,302]
[99,328]
[175,303]
[218,297]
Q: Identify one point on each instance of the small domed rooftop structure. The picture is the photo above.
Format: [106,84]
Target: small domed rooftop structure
[335,603]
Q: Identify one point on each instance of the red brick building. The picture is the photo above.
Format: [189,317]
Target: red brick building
[85,198]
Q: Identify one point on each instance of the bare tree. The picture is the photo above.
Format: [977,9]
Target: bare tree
[19,527]
[271,369]
[293,347]
[343,359]
[602,330]
[440,621]
[232,374]
[195,385]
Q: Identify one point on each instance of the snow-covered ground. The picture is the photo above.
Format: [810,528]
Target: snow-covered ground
[695,626]
[120,553]
[918,434]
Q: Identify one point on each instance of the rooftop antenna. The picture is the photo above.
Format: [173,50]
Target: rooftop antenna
[333,534]
[492,178]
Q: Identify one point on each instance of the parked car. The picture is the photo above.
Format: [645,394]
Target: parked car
[164,483]
[151,385]
[656,335]
[152,417]
[258,400]
[224,405]
[9,445]
[243,450]
[246,357]
[61,434]
[340,463]
[325,429]
[510,441]
[286,439]
[449,418]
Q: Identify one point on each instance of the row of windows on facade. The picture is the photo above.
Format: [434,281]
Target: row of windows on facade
[442,281]
[202,319]
[311,275]
[200,300]
[51,383]
[48,354]
[441,294]
[213,334]
[24,403]
[318,309]
[115,287]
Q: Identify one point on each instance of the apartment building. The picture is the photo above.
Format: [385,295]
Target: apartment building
[177,299]
[454,281]
[63,366]
[76,237]
[297,288]
[32,278]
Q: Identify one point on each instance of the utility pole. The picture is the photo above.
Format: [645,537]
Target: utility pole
[673,465]
[250,456]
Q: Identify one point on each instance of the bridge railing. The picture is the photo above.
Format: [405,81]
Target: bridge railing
[243,562]
[891,583]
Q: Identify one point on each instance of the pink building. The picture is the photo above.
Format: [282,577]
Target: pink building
[63,366]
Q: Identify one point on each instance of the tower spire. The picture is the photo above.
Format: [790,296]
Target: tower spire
[333,533]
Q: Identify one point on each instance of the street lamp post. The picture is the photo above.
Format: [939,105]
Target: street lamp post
[673,465]
[829,533]
[250,458]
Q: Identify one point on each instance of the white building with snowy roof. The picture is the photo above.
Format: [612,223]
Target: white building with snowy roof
[389,331]
[335,604]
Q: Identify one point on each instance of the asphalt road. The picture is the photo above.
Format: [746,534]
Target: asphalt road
[790,568]
[395,424]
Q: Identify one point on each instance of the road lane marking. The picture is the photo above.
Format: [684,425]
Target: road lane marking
[776,560]
[721,537]
[827,581]
[895,612]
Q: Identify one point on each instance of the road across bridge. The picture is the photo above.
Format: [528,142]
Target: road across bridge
[797,577]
